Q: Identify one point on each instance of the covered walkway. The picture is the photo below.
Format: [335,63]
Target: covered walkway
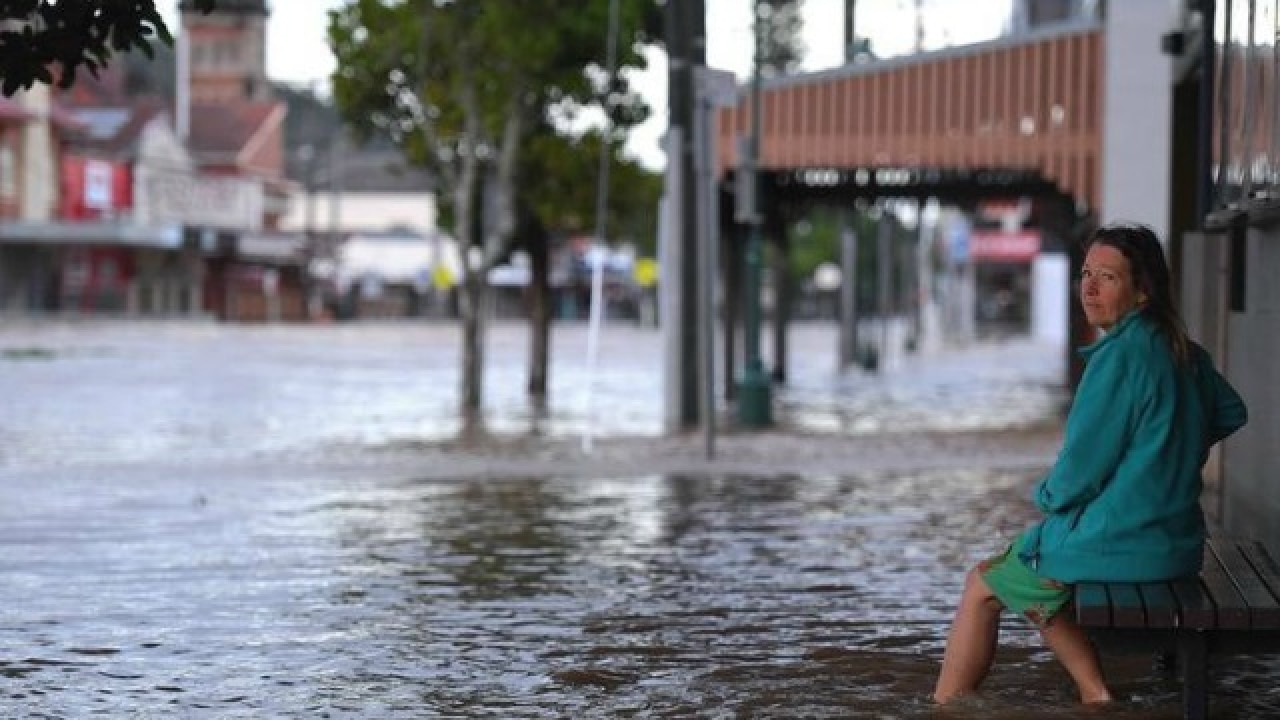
[1017,117]
[1010,109]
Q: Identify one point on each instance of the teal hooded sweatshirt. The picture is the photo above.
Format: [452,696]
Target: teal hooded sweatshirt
[1122,501]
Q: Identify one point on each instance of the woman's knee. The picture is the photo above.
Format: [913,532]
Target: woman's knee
[977,592]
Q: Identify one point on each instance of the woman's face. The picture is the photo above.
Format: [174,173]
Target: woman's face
[1106,287]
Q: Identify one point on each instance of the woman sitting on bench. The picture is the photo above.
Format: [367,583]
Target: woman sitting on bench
[1122,501]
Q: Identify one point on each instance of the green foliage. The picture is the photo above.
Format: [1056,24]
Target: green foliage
[310,121]
[558,182]
[151,72]
[782,48]
[816,240]
[408,68]
[50,40]
[633,212]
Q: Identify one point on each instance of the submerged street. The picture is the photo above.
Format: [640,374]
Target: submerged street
[239,522]
[93,393]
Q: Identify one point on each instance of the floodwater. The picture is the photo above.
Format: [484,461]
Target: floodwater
[92,392]
[162,557]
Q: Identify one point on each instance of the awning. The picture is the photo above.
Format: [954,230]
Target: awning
[274,249]
[1014,247]
[12,111]
[66,121]
[90,233]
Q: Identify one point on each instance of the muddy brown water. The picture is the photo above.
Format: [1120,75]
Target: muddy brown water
[304,596]
[163,552]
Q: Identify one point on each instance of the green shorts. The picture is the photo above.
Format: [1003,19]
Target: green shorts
[1020,589]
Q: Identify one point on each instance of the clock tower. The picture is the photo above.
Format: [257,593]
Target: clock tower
[228,50]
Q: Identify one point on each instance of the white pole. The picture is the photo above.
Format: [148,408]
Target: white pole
[671,260]
[708,227]
[602,205]
[182,82]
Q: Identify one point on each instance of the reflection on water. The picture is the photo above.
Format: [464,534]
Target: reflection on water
[161,556]
[107,393]
[1001,384]
[282,596]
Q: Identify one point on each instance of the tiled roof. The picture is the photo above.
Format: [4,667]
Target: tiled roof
[361,169]
[219,131]
[116,129]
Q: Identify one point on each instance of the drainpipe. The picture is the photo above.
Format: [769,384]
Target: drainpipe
[1204,142]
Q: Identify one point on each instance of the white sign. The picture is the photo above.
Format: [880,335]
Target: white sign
[222,202]
[97,184]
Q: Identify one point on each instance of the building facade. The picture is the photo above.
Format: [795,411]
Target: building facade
[140,205]
[1231,256]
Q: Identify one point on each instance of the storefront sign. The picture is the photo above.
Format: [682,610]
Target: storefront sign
[97,184]
[220,202]
[987,246]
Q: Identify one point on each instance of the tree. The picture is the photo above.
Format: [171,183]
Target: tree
[560,201]
[460,85]
[782,48]
[50,40]
[561,187]
[821,227]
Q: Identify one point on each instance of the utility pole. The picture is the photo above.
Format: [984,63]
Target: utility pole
[182,81]
[754,392]
[307,154]
[715,89]
[848,235]
[685,30]
[884,284]
[919,26]
[337,150]
[850,34]
[1205,190]
[848,290]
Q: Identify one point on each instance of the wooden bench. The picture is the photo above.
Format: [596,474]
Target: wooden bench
[1233,607]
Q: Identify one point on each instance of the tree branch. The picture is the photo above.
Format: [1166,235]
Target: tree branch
[502,237]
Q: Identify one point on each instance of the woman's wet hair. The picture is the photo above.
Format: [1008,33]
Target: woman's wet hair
[1141,247]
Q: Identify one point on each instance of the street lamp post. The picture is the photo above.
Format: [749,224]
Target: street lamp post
[754,391]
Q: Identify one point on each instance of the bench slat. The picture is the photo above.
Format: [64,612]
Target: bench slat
[1232,611]
[1161,605]
[1236,595]
[1263,609]
[1195,609]
[1093,606]
[1264,564]
[1126,606]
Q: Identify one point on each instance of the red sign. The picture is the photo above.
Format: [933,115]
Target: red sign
[989,246]
[93,189]
[1000,208]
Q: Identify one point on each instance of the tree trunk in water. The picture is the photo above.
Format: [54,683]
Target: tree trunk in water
[471,391]
[731,306]
[466,207]
[539,315]
[781,301]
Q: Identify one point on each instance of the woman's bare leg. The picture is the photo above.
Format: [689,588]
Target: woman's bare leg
[971,644]
[1072,647]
